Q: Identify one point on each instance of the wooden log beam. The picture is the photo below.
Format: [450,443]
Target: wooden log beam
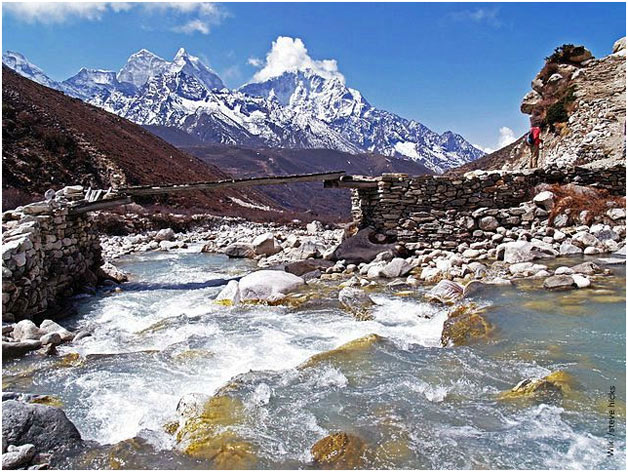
[101,205]
[275,180]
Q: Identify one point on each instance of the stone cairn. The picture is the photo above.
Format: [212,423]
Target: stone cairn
[450,210]
[47,252]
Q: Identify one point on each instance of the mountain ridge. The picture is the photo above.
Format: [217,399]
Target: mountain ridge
[298,110]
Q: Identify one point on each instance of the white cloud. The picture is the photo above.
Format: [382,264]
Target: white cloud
[192,17]
[506,136]
[289,55]
[192,26]
[479,15]
[487,150]
[40,12]
[255,62]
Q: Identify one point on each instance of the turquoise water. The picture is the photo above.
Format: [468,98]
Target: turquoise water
[414,403]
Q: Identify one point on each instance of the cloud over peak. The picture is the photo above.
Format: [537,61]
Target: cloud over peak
[290,55]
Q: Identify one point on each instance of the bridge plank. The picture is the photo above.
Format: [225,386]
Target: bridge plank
[274,180]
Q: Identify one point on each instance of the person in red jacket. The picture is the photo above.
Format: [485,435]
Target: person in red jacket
[534,141]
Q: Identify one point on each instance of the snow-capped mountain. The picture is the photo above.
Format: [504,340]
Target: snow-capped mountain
[22,66]
[298,109]
[346,111]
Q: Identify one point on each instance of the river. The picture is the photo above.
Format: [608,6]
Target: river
[417,404]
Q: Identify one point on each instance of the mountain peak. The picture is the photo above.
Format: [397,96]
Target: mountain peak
[141,66]
[20,64]
[180,54]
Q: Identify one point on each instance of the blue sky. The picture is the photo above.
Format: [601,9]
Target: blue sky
[458,66]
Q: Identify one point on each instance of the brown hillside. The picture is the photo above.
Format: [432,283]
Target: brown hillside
[303,197]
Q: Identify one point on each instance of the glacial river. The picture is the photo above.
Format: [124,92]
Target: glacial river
[415,403]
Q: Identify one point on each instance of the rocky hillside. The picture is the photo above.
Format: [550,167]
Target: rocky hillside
[296,110]
[51,140]
[580,103]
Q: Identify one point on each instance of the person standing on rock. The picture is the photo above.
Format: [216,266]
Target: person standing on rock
[534,141]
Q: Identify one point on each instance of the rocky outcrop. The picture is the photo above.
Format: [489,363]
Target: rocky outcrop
[580,104]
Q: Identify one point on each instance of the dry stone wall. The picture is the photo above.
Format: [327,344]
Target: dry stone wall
[450,210]
[46,254]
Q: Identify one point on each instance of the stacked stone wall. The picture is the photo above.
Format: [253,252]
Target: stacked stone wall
[455,209]
[46,254]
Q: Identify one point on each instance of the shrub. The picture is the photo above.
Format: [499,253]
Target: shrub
[558,111]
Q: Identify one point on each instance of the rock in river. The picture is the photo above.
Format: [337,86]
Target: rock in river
[45,427]
[446,292]
[559,282]
[340,451]
[263,285]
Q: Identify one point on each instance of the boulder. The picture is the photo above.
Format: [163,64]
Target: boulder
[523,251]
[26,330]
[549,389]
[18,456]
[581,281]
[268,285]
[239,250]
[49,327]
[108,271]
[561,220]
[559,282]
[567,249]
[431,274]
[340,451]
[360,248]
[446,292]
[616,213]
[465,323]
[266,245]
[587,268]
[305,250]
[375,270]
[544,200]
[52,338]
[584,239]
[45,427]
[398,267]
[355,300]
[166,234]
[230,295]
[308,265]
[526,268]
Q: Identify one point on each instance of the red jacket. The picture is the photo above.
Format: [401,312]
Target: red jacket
[536,135]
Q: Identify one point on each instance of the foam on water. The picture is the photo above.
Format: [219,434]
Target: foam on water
[238,339]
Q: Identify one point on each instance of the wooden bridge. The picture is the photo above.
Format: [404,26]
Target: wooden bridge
[99,199]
